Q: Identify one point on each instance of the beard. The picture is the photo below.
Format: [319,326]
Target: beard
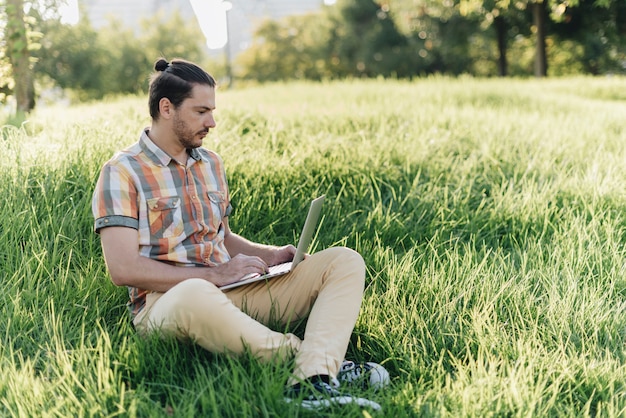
[186,136]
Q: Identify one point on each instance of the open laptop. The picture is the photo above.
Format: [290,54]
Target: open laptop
[303,245]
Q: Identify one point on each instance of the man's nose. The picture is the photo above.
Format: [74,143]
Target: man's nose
[210,122]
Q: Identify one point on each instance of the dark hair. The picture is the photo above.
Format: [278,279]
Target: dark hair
[174,80]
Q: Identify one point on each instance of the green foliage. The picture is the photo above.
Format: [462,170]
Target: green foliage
[598,29]
[491,220]
[450,46]
[356,38]
[292,48]
[80,64]
[600,41]
[128,59]
[18,44]
[6,79]
[367,42]
[157,38]
[114,60]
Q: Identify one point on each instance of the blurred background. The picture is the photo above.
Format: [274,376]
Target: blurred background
[77,50]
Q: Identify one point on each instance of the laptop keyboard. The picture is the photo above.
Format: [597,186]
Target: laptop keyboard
[279,267]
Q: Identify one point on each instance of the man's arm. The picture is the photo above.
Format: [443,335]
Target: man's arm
[270,254]
[128,268]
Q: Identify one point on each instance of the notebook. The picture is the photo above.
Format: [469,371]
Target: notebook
[306,236]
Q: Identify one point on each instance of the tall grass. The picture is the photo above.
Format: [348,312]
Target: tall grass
[490,214]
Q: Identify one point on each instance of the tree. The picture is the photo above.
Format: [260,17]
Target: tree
[5,65]
[539,23]
[356,38]
[91,64]
[500,15]
[171,36]
[128,60]
[296,47]
[598,21]
[544,13]
[443,39]
[18,53]
[74,58]
[368,42]
[17,46]
[599,28]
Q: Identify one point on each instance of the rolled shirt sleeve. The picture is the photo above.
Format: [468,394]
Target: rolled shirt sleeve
[115,199]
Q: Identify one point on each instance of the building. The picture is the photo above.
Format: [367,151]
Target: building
[241,19]
[130,13]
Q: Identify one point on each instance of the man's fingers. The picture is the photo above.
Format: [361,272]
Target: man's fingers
[251,264]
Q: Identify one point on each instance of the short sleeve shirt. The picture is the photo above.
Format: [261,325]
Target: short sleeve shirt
[176,209]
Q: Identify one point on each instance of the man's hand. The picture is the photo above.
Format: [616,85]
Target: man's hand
[281,255]
[242,266]
[234,270]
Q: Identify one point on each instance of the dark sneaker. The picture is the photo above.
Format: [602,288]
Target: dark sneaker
[322,395]
[367,375]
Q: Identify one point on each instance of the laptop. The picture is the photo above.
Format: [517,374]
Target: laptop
[310,224]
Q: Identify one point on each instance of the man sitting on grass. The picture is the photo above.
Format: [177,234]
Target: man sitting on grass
[161,208]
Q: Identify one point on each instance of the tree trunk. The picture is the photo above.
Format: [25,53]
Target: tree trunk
[501,29]
[19,56]
[539,20]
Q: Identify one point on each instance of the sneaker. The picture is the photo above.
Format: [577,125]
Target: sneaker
[319,394]
[367,375]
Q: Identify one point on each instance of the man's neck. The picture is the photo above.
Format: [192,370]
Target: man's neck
[168,144]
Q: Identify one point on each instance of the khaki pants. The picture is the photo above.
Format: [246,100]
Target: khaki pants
[326,287]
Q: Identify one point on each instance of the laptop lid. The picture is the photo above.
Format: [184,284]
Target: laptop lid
[308,229]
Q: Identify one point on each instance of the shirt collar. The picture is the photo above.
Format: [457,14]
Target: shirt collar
[157,155]
[195,154]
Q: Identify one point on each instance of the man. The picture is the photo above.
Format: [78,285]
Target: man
[161,208]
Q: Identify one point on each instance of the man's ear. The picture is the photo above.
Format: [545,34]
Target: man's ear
[165,108]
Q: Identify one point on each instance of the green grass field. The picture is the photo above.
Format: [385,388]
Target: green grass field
[491,215]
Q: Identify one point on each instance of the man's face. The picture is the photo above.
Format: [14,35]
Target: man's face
[194,117]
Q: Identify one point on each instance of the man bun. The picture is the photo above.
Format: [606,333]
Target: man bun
[161,64]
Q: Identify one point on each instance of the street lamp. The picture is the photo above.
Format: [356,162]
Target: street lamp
[227,6]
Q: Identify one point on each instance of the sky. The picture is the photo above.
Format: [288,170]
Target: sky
[69,12]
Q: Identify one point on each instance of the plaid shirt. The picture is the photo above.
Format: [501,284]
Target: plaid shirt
[177,210]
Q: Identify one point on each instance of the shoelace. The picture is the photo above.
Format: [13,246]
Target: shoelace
[324,388]
[349,371]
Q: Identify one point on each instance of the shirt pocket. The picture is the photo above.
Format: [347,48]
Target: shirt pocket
[217,203]
[165,217]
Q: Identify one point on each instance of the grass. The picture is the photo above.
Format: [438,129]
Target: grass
[490,214]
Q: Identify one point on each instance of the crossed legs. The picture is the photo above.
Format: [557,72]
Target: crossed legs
[326,288]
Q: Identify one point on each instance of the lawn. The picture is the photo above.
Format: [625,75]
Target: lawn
[490,213]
